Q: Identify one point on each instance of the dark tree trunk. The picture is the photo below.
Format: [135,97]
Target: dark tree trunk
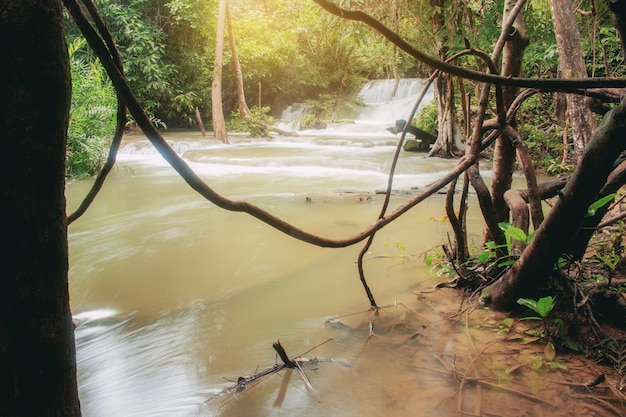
[37,350]
[564,220]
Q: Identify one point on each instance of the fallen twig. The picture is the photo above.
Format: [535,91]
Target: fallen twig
[248,381]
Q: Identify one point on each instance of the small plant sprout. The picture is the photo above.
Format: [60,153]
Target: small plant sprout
[515,238]
[543,307]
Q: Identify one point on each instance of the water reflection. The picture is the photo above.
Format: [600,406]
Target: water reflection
[175,298]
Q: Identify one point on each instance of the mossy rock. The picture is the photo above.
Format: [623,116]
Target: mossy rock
[413,145]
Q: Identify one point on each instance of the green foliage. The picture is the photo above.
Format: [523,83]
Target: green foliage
[141,43]
[598,204]
[541,58]
[426,117]
[92,115]
[238,123]
[322,107]
[557,168]
[306,121]
[511,234]
[438,264]
[554,329]
[543,307]
[542,136]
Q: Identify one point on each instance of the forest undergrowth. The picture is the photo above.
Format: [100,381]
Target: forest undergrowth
[580,312]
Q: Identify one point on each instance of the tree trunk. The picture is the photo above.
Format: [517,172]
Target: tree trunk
[572,65]
[504,151]
[564,220]
[241,96]
[445,146]
[219,124]
[37,348]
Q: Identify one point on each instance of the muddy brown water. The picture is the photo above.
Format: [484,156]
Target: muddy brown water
[177,298]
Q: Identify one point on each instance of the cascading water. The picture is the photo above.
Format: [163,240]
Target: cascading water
[383,106]
[380,105]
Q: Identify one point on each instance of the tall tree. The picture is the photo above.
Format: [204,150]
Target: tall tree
[37,348]
[219,124]
[445,146]
[241,96]
[504,151]
[572,65]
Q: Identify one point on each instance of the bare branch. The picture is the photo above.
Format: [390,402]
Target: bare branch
[571,85]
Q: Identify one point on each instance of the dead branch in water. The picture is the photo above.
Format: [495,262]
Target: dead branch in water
[246,382]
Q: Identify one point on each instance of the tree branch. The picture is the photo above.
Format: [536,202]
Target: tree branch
[123,89]
[575,86]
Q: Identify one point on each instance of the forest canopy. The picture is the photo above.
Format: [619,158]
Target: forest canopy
[292,51]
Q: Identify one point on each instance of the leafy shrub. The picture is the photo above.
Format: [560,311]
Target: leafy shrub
[426,117]
[92,115]
[238,123]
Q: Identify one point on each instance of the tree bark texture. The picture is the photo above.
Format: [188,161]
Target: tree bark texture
[618,7]
[504,150]
[564,220]
[37,349]
[572,65]
[579,245]
[217,111]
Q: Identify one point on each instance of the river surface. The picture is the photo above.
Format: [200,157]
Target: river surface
[176,299]
[176,296]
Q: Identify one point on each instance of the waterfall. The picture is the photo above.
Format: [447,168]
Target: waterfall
[381,106]
[295,111]
[378,104]
[379,91]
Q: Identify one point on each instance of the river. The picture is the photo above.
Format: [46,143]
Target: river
[176,294]
[176,299]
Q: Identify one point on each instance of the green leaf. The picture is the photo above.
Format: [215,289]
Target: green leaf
[530,303]
[516,233]
[591,211]
[508,262]
[483,257]
[506,323]
[545,305]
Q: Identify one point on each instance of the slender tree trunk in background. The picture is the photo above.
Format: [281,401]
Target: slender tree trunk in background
[394,56]
[219,124]
[504,151]
[37,348]
[572,65]
[445,146]
[241,96]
